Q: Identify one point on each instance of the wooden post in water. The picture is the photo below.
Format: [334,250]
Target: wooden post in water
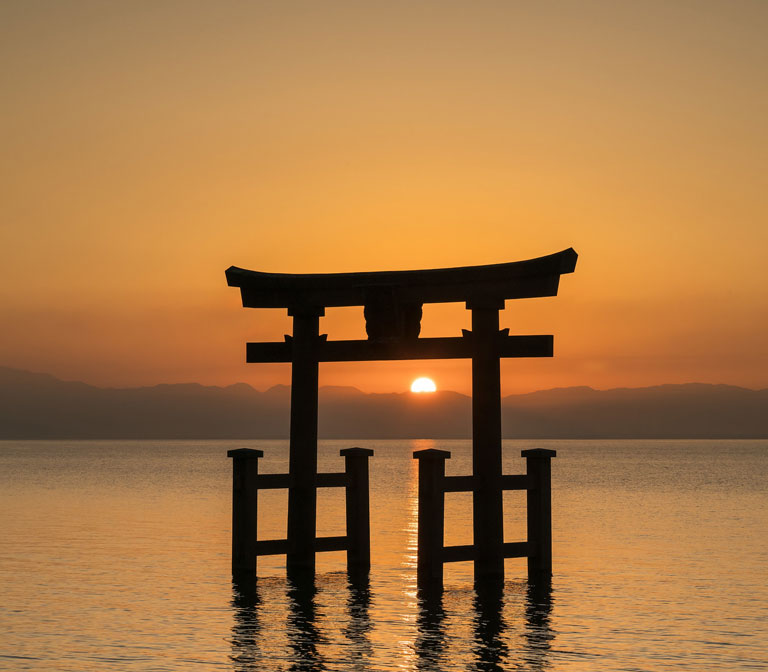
[538,467]
[302,461]
[245,497]
[431,522]
[487,497]
[358,510]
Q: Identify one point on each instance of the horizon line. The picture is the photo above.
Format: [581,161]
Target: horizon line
[353,387]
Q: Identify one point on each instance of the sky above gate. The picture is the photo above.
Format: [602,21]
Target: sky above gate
[147,146]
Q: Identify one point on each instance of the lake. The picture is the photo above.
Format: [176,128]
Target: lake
[115,555]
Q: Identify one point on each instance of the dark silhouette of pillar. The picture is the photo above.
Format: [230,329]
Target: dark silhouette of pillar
[245,496]
[487,498]
[302,461]
[431,524]
[358,510]
[538,461]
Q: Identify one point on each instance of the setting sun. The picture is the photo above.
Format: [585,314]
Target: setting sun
[423,385]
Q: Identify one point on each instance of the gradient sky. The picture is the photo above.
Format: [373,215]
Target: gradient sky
[147,146]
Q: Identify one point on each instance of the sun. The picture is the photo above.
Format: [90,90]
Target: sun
[423,385]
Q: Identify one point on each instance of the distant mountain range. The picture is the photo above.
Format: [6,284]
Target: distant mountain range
[39,406]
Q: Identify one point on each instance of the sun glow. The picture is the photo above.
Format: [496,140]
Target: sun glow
[423,385]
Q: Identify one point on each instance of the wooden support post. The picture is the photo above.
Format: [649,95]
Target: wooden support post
[302,461]
[431,525]
[245,497]
[487,498]
[358,511]
[538,461]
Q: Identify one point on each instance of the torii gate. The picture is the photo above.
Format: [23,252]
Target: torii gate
[392,303]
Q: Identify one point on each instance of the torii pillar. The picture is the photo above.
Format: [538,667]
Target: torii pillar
[302,461]
[487,497]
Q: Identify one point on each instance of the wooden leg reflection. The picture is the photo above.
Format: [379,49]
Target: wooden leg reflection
[538,629]
[358,627]
[431,640]
[491,649]
[246,652]
[303,633]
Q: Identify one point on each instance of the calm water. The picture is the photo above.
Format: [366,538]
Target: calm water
[115,556]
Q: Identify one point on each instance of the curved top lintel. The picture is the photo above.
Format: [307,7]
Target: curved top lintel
[513,280]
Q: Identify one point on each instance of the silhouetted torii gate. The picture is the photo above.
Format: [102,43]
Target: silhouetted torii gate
[392,302]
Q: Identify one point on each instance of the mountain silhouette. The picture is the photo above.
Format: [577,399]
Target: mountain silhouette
[40,406]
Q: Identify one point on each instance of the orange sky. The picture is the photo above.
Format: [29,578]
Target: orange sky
[147,146]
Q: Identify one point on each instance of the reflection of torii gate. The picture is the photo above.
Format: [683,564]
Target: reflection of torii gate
[392,304]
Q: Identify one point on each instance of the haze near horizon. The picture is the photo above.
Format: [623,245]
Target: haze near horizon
[151,146]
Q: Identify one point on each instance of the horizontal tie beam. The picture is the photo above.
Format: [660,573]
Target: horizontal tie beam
[331,544]
[513,549]
[419,348]
[280,546]
[271,481]
[339,480]
[458,483]
[458,553]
